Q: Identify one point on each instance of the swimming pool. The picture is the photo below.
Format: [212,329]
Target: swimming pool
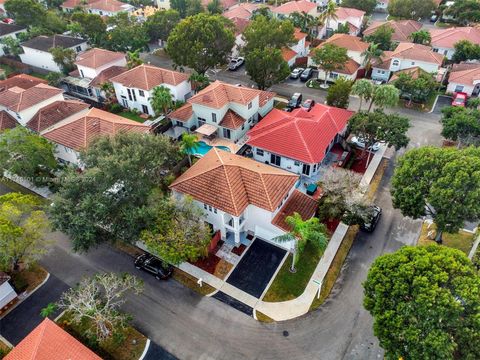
[203,148]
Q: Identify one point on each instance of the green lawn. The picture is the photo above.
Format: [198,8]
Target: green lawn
[38,75]
[462,240]
[132,116]
[287,285]
[8,69]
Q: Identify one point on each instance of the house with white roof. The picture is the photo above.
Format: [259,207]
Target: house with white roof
[223,110]
[98,7]
[239,196]
[9,30]
[444,40]
[346,16]
[36,51]
[134,88]
[464,77]
[298,141]
[405,56]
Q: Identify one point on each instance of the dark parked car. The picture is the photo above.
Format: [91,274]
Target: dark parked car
[306,74]
[155,266]
[294,102]
[373,219]
[308,104]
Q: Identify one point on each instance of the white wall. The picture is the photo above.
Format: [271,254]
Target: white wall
[68,155]
[7,294]
[380,74]
[447,52]
[43,59]
[452,87]
[407,64]
[13,35]
[299,48]
[163,4]
[109,13]
[92,73]
[24,116]
[335,75]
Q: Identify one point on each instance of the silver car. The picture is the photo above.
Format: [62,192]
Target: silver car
[360,143]
[295,74]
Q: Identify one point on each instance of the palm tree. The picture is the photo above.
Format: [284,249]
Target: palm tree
[188,145]
[161,100]
[107,88]
[373,52]
[421,37]
[198,81]
[363,88]
[330,13]
[303,21]
[302,232]
[133,59]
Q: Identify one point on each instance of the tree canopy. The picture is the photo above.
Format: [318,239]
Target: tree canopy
[266,67]
[330,57]
[443,183]
[161,23]
[90,27]
[410,9]
[421,36]
[464,11]
[466,50]
[64,58]
[126,34]
[161,100]
[366,5]
[264,32]
[382,37]
[425,303]
[201,42]
[416,89]
[338,94]
[461,124]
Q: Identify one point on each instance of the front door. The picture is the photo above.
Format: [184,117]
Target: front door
[125,103]
[306,169]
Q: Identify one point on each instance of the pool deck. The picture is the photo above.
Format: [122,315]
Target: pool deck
[220,142]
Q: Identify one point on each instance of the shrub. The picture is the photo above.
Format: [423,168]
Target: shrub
[116,108]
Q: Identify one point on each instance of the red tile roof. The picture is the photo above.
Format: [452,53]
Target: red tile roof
[418,52]
[242,11]
[183,113]
[232,120]
[22,81]
[467,74]
[107,74]
[146,77]
[105,5]
[265,96]
[402,28]
[288,54]
[349,42]
[240,24]
[414,72]
[77,134]
[54,113]
[7,121]
[447,38]
[48,341]
[231,182]
[295,6]
[95,58]
[299,135]
[18,99]
[299,203]
[344,13]
[218,94]
[299,35]
[349,68]
[226,4]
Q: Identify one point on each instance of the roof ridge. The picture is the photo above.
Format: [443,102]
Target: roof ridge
[43,326]
[302,139]
[266,192]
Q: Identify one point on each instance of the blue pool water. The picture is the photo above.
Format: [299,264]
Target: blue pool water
[203,148]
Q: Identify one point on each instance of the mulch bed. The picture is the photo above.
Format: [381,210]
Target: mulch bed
[331,224]
[239,250]
[360,163]
[208,263]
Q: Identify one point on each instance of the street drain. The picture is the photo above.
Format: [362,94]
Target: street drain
[285,333]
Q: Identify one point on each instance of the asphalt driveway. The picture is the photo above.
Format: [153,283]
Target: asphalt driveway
[256,267]
[443,101]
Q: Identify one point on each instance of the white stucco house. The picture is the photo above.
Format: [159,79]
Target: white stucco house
[346,16]
[7,293]
[465,77]
[9,30]
[302,6]
[405,56]
[226,111]
[298,141]
[74,133]
[444,40]
[134,87]
[240,196]
[36,51]
[98,7]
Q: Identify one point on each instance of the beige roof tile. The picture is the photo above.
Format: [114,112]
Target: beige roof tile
[146,77]
[95,58]
[18,99]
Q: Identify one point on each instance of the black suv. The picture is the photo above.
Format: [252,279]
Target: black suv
[373,218]
[155,266]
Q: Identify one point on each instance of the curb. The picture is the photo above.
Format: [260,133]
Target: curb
[434,104]
[5,341]
[26,297]
[145,351]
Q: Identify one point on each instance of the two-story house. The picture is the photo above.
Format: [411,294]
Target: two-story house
[299,49]
[240,196]
[405,56]
[298,141]
[74,133]
[302,6]
[134,87]
[402,29]
[52,114]
[464,77]
[444,40]
[353,18]
[94,67]
[227,111]
[36,51]
[9,30]
[355,50]
[98,7]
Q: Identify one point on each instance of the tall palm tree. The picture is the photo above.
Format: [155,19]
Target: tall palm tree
[330,13]
[188,145]
[301,233]
[161,100]
[303,21]
[133,59]
[363,88]
[373,52]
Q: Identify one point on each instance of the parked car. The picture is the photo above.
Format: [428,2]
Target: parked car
[308,104]
[306,74]
[155,266]
[295,74]
[460,99]
[360,143]
[235,63]
[434,18]
[373,219]
[8,21]
[294,102]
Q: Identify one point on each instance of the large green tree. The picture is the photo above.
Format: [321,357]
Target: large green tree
[466,50]
[90,26]
[266,67]
[364,89]
[161,23]
[201,42]
[442,183]
[384,96]
[421,36]
[161,100]
[461,124]
[425,303]
[64,58]
[366,5]
[180,236]
[416,89]
[330,57]
[23,231]
[382,37]
[265,32]
[27,155]
[411,9]
[464,11]
[110,199]
[126,34]
[338,94]
[26,12]
[180,6]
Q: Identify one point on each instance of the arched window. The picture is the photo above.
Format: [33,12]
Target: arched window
[396,62]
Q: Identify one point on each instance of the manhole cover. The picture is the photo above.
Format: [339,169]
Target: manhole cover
[285,333]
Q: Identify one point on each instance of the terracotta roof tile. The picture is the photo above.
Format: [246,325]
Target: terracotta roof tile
[183,113]
[23,81]
[107,74]
[48,341]
[105,5]
[299,203]
[95,58]
[299,35]
[18,99]
[240,24]
[7,121]
[447,38]
[418,52]
[349,42]
[344,13]
[288,54]
[78,133]
[231,182]
[146,77]
[265,96]
[232,120]
[413,72]
[295,6]
[54,113]
[350,67]
[299,135]
[242,11]
[402,28]
[467,74]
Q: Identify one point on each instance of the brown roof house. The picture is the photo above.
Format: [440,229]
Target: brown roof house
[74,133]
[465,77]
[134,87]
[241,196]
[402,29]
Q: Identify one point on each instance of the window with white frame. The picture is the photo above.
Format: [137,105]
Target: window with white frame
[396,62]
[259,152]
[141,93]
[459,88]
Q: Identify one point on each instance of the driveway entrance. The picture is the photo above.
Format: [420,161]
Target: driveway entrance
[443,101]
[256,267]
